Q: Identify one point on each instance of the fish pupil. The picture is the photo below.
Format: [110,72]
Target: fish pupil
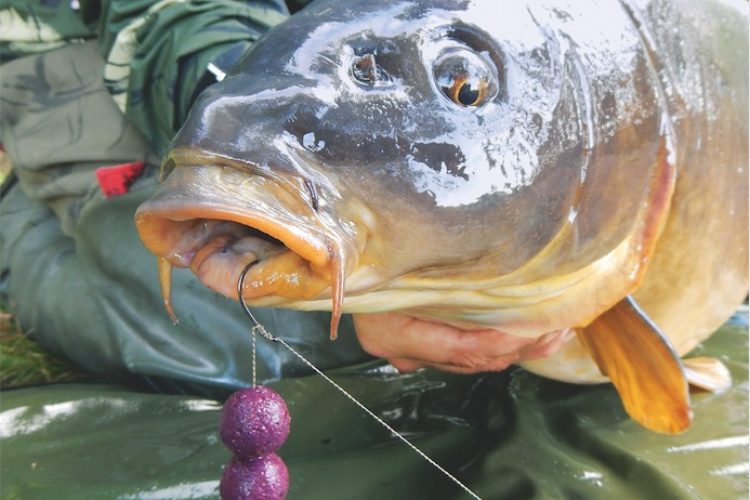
[468,95]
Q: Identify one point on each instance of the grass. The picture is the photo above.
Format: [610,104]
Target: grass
[24,362]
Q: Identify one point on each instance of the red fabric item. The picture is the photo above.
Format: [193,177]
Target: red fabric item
[116,180]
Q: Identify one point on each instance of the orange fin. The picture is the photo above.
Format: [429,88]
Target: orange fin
[643,366]
[709,374]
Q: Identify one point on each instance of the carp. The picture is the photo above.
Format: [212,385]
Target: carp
[519,165]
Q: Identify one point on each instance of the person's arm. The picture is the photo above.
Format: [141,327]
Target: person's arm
[33,26]
[409,343]
[160,54]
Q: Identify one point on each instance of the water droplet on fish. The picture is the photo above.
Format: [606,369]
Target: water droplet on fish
[308,142]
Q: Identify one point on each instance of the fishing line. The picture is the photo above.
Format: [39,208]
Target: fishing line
[252,333]
[260,329]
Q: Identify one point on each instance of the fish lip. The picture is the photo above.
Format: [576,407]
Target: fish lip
[220,271]
[154,216]
[182,224]
[320,249]
[192,189]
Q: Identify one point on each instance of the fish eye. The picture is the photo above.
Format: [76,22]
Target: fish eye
[465,77]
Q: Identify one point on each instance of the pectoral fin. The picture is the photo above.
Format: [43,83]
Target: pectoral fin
[643,366]
[709,374]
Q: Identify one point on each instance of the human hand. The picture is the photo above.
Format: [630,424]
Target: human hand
[410,343]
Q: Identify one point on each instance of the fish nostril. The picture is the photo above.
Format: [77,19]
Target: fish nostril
[366,71]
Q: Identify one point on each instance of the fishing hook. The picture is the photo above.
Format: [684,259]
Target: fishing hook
[257,327]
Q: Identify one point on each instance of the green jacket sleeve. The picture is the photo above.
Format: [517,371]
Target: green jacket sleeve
[157,53]
[33,26]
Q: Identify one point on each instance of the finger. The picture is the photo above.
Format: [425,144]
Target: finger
[405,365]
[546,345]
[396,336]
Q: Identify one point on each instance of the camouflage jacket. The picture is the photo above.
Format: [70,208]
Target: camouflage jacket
[158,53]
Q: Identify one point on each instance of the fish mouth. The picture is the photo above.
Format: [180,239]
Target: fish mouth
[217,245]
[216,220]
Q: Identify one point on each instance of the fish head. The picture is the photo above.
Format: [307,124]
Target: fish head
[422,156]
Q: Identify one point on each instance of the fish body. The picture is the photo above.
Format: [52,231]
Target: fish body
[518,165]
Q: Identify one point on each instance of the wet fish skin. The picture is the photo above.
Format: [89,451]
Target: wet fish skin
[524,213]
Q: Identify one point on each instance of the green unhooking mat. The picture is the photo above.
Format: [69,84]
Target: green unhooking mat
[509,435]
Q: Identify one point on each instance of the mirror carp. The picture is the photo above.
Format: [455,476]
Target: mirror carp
[525,166]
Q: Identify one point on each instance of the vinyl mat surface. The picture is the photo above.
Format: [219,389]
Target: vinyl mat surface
[508,435]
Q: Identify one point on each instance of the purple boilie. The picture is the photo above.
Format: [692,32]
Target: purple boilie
[262,478]
[254,422]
